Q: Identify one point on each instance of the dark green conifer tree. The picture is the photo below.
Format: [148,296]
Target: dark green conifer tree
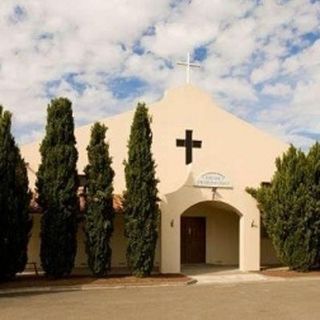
[99,211]
[57,185]
[290,208]
[15,221]
[312,214]
[141,208]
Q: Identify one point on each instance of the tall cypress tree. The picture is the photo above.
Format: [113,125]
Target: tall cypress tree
[290,208]
[141,208]
[57,184]
[312,214]
[15,221]
[99,212]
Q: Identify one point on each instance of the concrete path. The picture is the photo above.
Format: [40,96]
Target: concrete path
[229,278]
[209,274]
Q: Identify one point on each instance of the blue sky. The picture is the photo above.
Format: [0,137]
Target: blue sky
[259,59]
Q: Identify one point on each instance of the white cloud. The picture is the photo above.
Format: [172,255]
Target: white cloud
[265,72]
[306,60]
[278,89]
[248,45]
[237,42]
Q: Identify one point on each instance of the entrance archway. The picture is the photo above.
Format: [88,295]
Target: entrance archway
[209,234]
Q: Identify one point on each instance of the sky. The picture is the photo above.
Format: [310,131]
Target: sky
[260,60]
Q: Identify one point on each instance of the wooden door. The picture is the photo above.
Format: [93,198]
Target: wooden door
[193,240]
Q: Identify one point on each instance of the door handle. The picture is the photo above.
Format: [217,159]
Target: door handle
[189,231]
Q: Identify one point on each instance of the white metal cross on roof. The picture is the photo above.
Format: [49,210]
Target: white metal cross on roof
[188,65]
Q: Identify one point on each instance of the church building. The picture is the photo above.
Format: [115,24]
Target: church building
[206,158]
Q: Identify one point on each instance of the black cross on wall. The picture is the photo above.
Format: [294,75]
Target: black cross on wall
[189,144]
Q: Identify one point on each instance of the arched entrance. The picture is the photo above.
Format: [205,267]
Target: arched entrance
[209,234]
[232,227]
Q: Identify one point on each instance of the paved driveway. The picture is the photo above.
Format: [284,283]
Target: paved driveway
[290,299]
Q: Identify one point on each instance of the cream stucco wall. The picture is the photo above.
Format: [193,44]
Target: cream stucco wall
[230,146]
[118,244]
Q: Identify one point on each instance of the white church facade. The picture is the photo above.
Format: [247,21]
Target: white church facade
[206,158]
